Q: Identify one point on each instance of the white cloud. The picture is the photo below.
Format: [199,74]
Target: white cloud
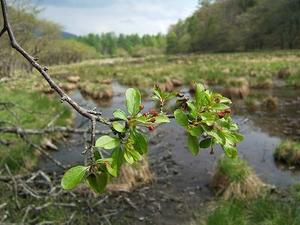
[120,16]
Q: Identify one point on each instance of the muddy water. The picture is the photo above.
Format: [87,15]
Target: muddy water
[183,180]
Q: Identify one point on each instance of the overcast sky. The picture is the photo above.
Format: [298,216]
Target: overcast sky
[120,16]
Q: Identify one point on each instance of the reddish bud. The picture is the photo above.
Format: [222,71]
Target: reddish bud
[151,128]
[142,107]
[153,120]
[153,112]
[221,114]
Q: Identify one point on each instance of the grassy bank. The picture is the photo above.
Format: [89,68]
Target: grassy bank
[269,210]
[259,68]
[26,109]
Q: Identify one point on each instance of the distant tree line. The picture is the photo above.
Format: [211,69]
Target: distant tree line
[237,25]
[40,38]
[110,44]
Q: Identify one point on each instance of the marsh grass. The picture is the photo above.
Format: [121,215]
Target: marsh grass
[234,178]
[268,210]
[26,109]
[271,103]
[96,90]
[295,191]
[288,152]
[259,68]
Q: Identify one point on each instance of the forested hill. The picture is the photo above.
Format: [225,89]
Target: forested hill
[237,25]
[111,44]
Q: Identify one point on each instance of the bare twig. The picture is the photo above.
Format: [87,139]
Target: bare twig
[26,214]
[70,219]
[42,151]
[131,203]
[15,185]
[2,31]
[93,138]
[3,205]
[54,119]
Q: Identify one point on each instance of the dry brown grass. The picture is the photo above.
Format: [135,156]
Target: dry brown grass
[237,88]
[235,179]
[132,177]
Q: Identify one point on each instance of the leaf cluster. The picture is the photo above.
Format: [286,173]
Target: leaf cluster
[206,118]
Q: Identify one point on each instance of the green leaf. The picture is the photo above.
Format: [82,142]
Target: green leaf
[161,118]
[109,165]
[238,137]
[192,109]
[233,138]
[136,156]
[181,118]
[118,127]
[220,107]
[230,151]
[98,182]
[157,94]
[202,97]
[73,177]
[195,131]
[133,101]
[225,100]
[209,118]
[206,143]
[107,142]
[128,157]
[118,157]
[113,170]
[140,142]
[193,144]
[119,114]
[97,154]
[218,135]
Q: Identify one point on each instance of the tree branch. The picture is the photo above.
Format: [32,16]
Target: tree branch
[2,31]
[91,115]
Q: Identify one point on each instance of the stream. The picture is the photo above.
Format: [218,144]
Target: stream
[183,180]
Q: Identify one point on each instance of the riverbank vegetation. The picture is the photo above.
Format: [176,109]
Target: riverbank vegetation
[259,69]
[234,179]
[26,109]
[269,209]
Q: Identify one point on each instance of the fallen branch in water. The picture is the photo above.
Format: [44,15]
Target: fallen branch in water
[42,151]
[67,130]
